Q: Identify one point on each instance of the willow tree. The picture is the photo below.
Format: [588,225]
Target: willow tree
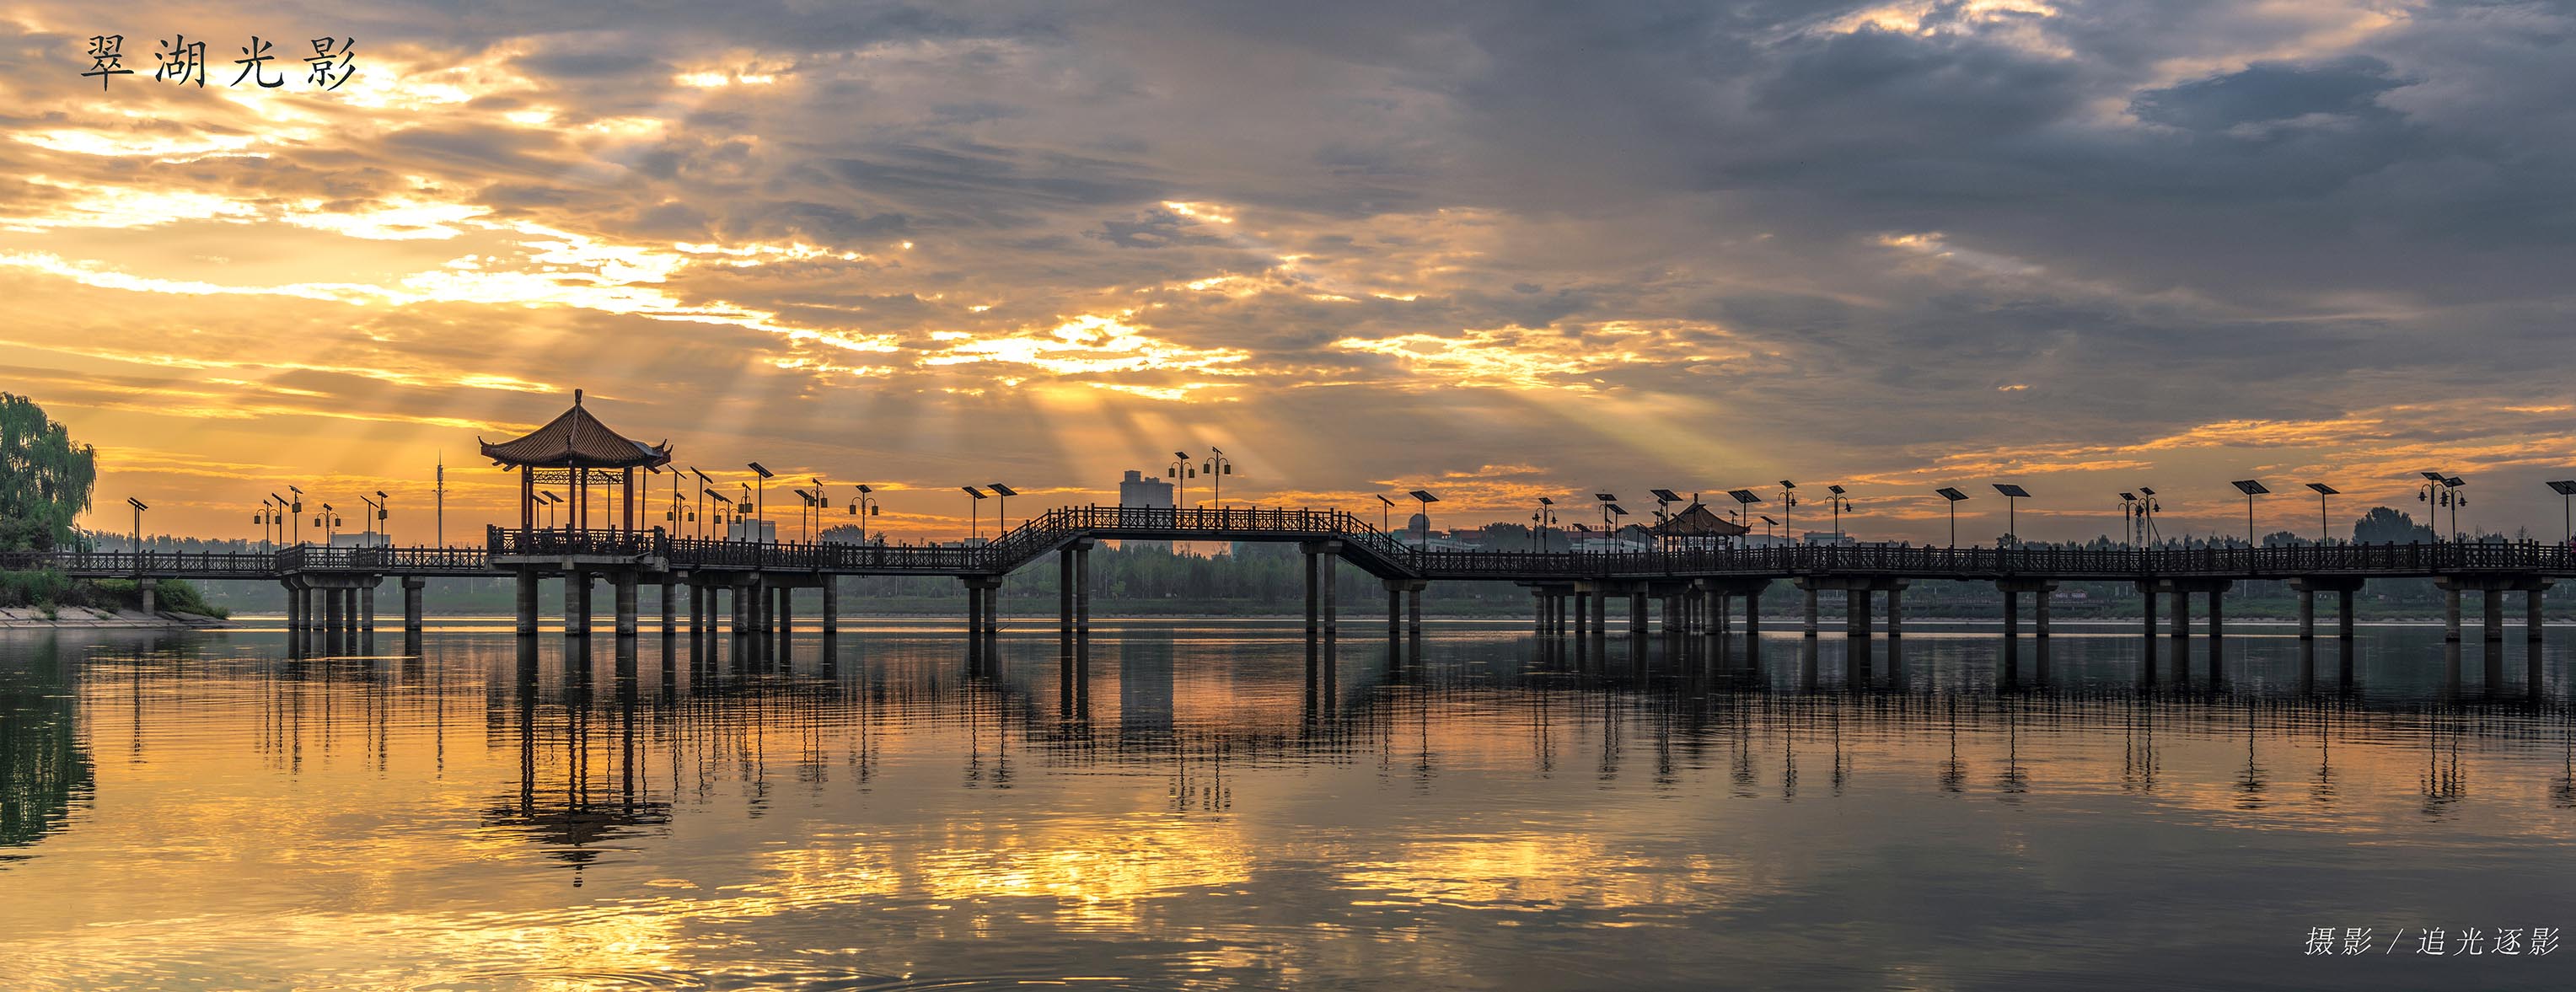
[45,479]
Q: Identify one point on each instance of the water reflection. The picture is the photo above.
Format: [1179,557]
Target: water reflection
[1496,810]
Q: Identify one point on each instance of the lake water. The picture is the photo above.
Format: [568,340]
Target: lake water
[201,811]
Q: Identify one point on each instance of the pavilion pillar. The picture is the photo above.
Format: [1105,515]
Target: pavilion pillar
[626,501]
[626,605]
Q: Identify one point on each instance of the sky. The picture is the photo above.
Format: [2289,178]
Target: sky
[1495,250]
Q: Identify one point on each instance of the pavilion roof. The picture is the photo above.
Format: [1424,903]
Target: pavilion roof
[577,439]
[1696,521]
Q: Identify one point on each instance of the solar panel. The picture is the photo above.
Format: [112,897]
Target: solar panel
[2455,482]
[2128,497]
[1836,490]
[1771,522]
[2009,489]
[972,491]
[1617,510]
[1423,496]
[2144,491]
[1744,496]
[1605,497]
[1786,484]
[2250,487]
[1951,494]
[2565,488]
[2435,476]
[1004,490]
[1667,495]
[2324,490]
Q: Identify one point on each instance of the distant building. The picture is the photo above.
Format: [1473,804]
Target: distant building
[1136,490]
[743,530]
[361,539]
[1821,538]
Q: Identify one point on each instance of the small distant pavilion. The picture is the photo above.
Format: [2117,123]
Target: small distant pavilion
[575,450]
[1695,521]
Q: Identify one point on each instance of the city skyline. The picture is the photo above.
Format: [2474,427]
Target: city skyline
[1498,254]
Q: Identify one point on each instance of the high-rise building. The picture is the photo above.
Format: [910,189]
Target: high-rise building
[1137,490]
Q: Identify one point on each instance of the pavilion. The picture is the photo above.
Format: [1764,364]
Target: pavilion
[575,450]
[1696,522]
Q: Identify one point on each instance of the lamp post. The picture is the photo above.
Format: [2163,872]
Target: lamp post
[760,499]
[1217,467]
[367,520]
[975,513]
[440,491]
[702,500]
[1180,472]
[1001,507]
[1542,519]
[1788,508]
[864,507]
[384,526]
[2251,488]
[1834,498]
[138,527]
[725,509]
[804,510]
[1767,528]
[1606,500]
[1426,499]
[1744,500]
[1385,515]
[2324,529]
[2128,516]
[2565,488]
[1952,496]
[1664,498]
[295,516]
[2013,495]
[2147,507]
[1610,530]
[329,521]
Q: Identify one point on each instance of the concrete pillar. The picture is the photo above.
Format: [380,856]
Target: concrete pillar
[1600,623]
[1332,611]
[2039,611]
[831,604]
[992,610]
[2217,633]
[786,597]
[1413,610]
[1538,611]
[1895,612]
[526,593]
[2343,614]
[2181,619]
[2493,654]
[334,615]
[2492,612]
[1314,598]
[147,587]
[2532,616]
[294,608]
[2147,659]
[367,605]
[1064,603]
[1811,610]
[1582,610]
[576,609]
[2307,615]
[627,621]
[1856,615]
[670,606]
[1082,593]
[1753,617]
[697,606]
[2451,614]
[1637,613]
[2012,614]
[411,587]
[1394,611]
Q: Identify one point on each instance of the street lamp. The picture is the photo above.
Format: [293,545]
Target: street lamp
[2251,489]
[1001,507]
[2012,495]
[551,501]
[1610,530]
[295,516]
[329,521]
[727,515]
[1839,502]
[1744,498]
[1181,472]
[1664,498]
[864,507]
[1217,467]
[2128,516]
[383,529]
[1788,507]
[2438,492]
[804,512]
[975,512]
[2566,488]
[1954,496]
[1606,500]
[1385,515]
[1542,519]
[760,498]
[1767,528]
[1426,499]
[138,523]
[367,519]
[2147,507]
[2324,530]
[702,500]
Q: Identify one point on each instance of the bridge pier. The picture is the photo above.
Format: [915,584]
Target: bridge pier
[576,603]
[974,623]
[146,588]
[2039,601]
[2217,632]
[626,606]
[785,597]
[334,615]
[411,587]
[1082,600]
[1895,611]
[1810,589]
[670,605]
[524,590]
[2147,656]
[831,606]
[367,603]
[1601,624]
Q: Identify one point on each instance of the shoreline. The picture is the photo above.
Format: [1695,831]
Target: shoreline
[91,618]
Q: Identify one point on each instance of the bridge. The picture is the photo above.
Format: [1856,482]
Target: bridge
[1695,588]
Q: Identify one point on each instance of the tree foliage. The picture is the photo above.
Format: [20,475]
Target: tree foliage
[45,479]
